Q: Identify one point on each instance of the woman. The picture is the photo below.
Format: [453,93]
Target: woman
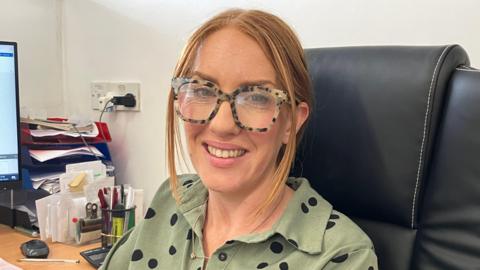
[242,90]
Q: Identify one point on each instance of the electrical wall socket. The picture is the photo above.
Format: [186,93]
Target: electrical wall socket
[97,90]
[101,89]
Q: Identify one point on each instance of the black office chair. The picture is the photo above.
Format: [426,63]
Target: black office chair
[394,143]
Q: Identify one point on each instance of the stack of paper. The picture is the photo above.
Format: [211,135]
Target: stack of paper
[46,181]
[44,155]
[58,125]
[92,132]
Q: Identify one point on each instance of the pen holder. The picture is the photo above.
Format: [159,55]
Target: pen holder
[116,222]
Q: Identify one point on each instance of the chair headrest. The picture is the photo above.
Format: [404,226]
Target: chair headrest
[367,146]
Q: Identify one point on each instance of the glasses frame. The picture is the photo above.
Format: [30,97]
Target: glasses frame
[281,97]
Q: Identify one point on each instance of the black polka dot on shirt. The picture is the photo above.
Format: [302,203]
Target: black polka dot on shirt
[276,247]
[330,224]
[150,213]
[173,219]
[283,266]
[137,255]
[304,208]
[230,242]
[371,268]
[293,242]
[172,250]
[312,201]
[152,263]
[262,265]
[187,182]
[340,258]
[189,234]
[334,216]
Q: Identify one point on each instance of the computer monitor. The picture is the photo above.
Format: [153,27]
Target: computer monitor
[10,161]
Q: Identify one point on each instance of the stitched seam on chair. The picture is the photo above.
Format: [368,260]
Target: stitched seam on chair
[422,146]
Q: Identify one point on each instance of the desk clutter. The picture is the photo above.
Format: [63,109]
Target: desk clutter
[19,251]
[99,210]
[73,163]
[49,146]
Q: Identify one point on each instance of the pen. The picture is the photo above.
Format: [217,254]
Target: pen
[48,260]
[122,195]
[101,197]
[115,198]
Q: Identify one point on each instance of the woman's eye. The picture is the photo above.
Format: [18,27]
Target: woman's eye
[203,92]
[258,99]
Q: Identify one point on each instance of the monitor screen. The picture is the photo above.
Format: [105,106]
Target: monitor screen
[10,169]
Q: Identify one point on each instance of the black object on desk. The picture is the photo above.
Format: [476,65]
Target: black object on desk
[95,256]
[35,249]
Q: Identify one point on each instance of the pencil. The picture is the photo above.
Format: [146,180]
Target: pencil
[48,260]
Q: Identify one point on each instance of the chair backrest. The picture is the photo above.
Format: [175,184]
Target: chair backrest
[371,147]
[449,234]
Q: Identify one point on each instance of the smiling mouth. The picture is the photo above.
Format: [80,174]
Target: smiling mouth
[225,153]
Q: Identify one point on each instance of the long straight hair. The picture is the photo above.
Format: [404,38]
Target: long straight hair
[284,51]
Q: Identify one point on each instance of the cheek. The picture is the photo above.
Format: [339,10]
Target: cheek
[191,133]
[269,142]
[192,129]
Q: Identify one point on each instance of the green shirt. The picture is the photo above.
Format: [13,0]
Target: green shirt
[309,235]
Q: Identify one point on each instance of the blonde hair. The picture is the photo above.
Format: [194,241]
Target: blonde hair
[283,49]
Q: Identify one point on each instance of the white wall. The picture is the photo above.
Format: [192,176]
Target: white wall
[140,41]
[33,25]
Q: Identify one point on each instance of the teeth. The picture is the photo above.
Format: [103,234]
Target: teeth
[225,153]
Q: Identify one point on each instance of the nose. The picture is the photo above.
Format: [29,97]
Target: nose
[223,124]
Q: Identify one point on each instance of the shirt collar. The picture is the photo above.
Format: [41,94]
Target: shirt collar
[302,224]
[192,205]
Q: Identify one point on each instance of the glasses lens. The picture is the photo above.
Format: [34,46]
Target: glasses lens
[195,101]
[256,108]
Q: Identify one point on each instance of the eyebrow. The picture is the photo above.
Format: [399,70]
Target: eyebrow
[247,83]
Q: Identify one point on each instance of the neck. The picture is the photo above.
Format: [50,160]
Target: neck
[230,216]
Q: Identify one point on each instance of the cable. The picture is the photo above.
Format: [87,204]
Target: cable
[84,141]
[101,131]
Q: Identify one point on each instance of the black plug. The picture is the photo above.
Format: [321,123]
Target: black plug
[128,100]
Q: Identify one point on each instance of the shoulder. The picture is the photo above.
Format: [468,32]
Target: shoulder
[341,231]
[325,233]
[184,181]
[163,201]
[338,228]
[347,246]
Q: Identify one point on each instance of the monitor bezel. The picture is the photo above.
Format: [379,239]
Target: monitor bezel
[18,183]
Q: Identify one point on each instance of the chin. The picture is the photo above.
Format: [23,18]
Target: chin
[221,183]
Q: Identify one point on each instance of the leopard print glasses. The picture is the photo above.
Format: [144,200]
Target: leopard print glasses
[254,108]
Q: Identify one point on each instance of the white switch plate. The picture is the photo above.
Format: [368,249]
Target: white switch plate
[101,89]
[97,90]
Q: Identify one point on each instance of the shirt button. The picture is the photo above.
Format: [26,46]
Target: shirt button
[222,256]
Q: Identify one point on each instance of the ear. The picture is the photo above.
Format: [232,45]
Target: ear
[301,115]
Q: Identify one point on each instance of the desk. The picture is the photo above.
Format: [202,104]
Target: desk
[10,241]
